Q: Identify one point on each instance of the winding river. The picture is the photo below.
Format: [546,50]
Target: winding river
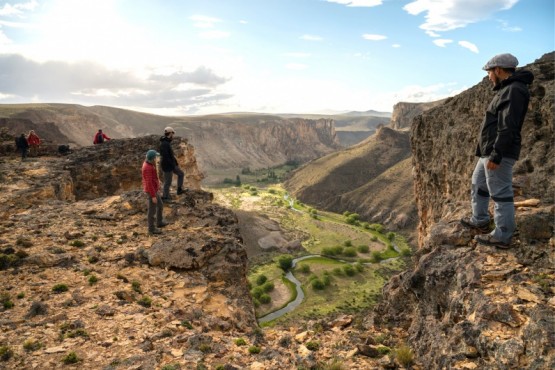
[300,294]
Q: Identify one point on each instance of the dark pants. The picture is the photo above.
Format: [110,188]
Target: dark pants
[168,176]
[24,152]
[157,208]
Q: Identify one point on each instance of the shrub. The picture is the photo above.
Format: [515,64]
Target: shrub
[205,348]
[145,301]
[59,288]
[404,355]
[349,270]
[337,250]
[358,266]
[171,367]
[337,271]
[240,342]
[93,280]
[93,259]
[317,284]
[5,353]
[261,279]
[31,345]
[363,249]
[257,292]
[80,332]
[304,268]
[77,243]
[268,287]
[346,213]
[136,286]
[350,252]
[326,279]
[376,227]
[383,350]
[6,301]
[285,262]
[186,324]
[376,256]
[390,235]
[20,295]
[71,358]
[313,346]
[334,364]
[405,252]
[374,238]
[348,243]
[352,219]
[265,298]
[254,350]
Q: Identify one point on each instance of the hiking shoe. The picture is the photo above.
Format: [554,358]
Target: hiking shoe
[180,191]
[487,239]
[483,227]
[155,232]
[162,224]
[166,199]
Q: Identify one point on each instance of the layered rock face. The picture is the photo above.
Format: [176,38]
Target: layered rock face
[223,145]
[467,306]
[404,113]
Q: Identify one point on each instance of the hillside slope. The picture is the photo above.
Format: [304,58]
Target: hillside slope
[357,178]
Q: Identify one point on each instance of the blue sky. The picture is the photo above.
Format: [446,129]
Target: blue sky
[187,57]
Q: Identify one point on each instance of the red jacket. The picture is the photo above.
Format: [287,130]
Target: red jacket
[33,140]
[97,138]
[151,184]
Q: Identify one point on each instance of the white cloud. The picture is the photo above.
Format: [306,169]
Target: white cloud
[201,21]
[424,94]
[4,40]
[446,15]
[396,46]
[296,66]
[18,9]
[442,42]
[214,34]
[373,37]
[311,37]
[432,34]
[470,46]
[505,26]
[357,3]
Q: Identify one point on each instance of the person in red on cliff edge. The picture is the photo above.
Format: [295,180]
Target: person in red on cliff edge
[99,137]
[34,142]
[151,186]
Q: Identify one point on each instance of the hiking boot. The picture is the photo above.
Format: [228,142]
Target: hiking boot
[162,224]
[483,227]
[166,199]
[487,239]
[155,232]
[180,191]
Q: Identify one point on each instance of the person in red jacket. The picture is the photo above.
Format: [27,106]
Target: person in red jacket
[34,142]
[151,186]
[100,137]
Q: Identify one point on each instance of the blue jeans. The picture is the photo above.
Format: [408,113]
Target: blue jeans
[497,184]
[168,181]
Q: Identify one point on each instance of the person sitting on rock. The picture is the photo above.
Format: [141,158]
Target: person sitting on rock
[151,186]
[100,137]
[22,145]
[170,165]
[34,142]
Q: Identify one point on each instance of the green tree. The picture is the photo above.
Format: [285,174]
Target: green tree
[285,262]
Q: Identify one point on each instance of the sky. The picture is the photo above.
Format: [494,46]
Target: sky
[191,57]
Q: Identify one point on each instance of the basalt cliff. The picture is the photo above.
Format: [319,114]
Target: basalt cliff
[467,306]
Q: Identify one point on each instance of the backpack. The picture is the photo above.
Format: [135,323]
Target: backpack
[99,138]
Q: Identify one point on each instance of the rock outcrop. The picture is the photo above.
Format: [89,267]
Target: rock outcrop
[467,306]
[404,113]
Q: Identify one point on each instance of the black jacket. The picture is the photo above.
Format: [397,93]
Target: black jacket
[168,161]
[21,143]
[500,131]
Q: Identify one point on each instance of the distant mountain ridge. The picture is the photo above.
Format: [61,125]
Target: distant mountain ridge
[221,141]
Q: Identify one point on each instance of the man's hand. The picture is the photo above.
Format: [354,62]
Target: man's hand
[492,166]
[154,200]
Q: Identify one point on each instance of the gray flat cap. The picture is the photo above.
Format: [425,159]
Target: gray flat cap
[501,60]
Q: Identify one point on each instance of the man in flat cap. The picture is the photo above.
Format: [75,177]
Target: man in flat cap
[498,149]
